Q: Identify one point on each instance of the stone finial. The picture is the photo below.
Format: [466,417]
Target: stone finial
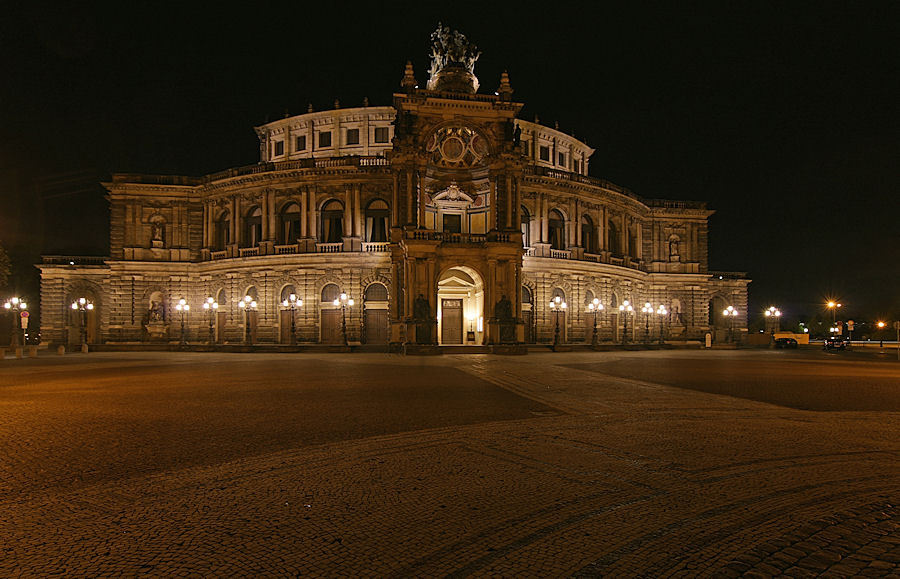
[337,104]
[409,78]
[537,119]
[309,108]
[365,101]
[286,113]
[556,125]
[505,90]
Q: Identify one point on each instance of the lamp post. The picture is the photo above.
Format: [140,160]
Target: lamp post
[773,317]
[880,325]
[662,312]
[730,312]
[83,305]
[344,301]
[211,306]
[647,311]
[594,307]
[16,306]
[833,306]
[182,307]
[247,304]
[557,305]
[625,308]
[293,302]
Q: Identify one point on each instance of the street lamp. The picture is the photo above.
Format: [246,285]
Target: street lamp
[211,306]
[16,306]
[594,307]
[83,305]
[626,308]
[647,311]
[833,306]
[293,302]
[773,316]
[662,312]
[183,308]
[247,304]
[557,305]
[344,301]
[881,326]
[730,312]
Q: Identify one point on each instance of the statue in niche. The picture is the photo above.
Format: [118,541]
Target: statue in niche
[155,312]
[421,308]
[503,309]
[673,250]
[157,234]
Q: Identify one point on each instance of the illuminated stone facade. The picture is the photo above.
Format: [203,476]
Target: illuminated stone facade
[445,217]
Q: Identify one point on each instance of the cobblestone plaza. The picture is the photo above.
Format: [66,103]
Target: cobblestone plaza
[669,463]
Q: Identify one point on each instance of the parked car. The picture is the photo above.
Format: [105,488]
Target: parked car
[836,343]
[785,343]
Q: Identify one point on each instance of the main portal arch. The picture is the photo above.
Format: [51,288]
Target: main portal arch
[460,306]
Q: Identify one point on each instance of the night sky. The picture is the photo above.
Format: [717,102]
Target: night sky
[784,119]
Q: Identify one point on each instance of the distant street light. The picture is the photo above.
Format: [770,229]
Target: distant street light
[594,307]
[625,308]
[344,301]
[773,319]
[556,306]
[183,308]
[247,304]
[647,310]
[730,312]
[663,314]
[880,325]
[16,306]
[83,305]
[211,306]
[293,302]
[833,306]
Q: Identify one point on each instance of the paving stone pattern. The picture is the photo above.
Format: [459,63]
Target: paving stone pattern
[388,466]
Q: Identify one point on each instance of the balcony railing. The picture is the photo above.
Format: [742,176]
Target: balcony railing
[529,251]
[560,254]
[329,247]
[248,251]
[218,254]
[287,249]
[376,247]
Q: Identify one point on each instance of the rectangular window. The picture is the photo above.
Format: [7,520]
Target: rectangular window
[324,139]
[381,134]
[562,160]
[301,143]
[352,137]
[278,147]
[545,153]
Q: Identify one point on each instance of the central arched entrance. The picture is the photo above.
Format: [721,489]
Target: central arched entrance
[460,307]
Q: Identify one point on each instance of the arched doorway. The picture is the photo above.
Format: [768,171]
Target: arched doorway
[330,315]
[460,307]
[375,306]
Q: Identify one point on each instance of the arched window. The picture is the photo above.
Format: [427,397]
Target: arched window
[376,292]
[253,227]
[332,222]
[222,233]
[588,297]
[222,298]
[613,302]
[377,221]
[525,221]
[252,292]
[526,295]
[330,293]
[289,230]
[286,292]
[588,234]
[557,230]
[614,240]
[558,292]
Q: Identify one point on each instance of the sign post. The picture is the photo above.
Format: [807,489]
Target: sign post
[897,327]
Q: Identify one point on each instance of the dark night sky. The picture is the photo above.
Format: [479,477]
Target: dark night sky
[783,118]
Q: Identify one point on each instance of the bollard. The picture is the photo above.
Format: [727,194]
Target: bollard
[60,350]
[31,351]
[84,348]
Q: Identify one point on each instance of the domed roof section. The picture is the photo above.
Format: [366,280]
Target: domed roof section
[452,62]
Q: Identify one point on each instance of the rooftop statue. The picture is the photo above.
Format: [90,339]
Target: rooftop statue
[452,61]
